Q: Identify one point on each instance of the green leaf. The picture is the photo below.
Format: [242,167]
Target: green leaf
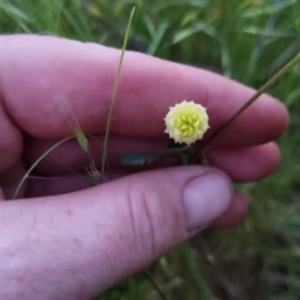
[189,17]
[292,98]
[131,159]
[158,37]
[297,24]
[267,9]
[14,11]
[197,27]
[267,32]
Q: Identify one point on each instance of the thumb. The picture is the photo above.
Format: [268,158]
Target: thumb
[96,237]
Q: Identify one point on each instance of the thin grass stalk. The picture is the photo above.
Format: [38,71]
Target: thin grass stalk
[156,287]
[259,92]
[114,93]
[37,162]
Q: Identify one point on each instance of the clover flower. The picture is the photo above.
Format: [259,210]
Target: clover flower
[186,122]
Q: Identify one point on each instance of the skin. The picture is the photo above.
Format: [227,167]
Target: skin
[93,238]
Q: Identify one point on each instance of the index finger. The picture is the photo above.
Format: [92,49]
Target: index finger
[38,74]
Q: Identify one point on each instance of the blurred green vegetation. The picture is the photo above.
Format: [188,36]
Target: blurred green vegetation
[242,39]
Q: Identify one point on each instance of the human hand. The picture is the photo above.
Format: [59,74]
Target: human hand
[75,245]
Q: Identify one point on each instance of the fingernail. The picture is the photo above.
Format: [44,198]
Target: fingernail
[205,199]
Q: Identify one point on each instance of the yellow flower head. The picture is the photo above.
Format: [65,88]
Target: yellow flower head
[186,122]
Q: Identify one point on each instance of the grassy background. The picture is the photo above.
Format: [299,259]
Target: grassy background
[243,39]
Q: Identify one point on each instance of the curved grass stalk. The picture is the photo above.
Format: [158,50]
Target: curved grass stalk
[259,92]
[37,162]
[114,93]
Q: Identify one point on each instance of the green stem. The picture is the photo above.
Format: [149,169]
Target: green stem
[37,162]
[114,93]
[266,86]
[159,291]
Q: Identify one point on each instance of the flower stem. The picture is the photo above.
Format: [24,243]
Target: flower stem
[266,86]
